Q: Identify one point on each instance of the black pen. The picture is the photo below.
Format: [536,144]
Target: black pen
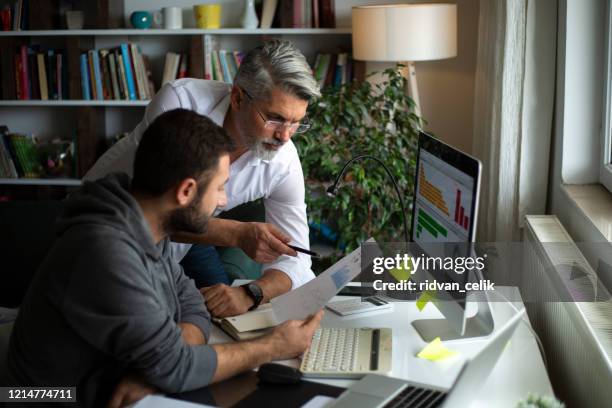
[304,251]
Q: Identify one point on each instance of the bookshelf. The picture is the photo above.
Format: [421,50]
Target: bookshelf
[92,123]
[160,32]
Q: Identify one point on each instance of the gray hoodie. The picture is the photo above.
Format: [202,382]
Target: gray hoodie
[106,301]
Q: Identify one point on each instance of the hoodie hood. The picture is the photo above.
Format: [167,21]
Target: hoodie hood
[108,202]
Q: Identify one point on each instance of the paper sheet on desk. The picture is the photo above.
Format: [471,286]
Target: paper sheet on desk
[320,401]
[314,295]
[158,401]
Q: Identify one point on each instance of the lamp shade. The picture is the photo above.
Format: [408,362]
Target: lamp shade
[404,32]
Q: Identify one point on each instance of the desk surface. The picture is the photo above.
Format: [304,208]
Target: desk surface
[519,371]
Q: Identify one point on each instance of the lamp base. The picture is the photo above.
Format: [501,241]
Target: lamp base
[409,72]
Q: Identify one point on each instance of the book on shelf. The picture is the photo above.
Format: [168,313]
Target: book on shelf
[183,67]
[210,45]
[267,13]
[336,69]
[127,64]
[33,73]
[19,158]
[175,67]
[85,81]
[121,73]
[52,62]
[305,14]
[112,69]
[171,67]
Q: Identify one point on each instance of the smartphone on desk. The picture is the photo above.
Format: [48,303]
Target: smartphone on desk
[357,291]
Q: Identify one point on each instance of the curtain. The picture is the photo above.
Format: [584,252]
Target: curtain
[513,112]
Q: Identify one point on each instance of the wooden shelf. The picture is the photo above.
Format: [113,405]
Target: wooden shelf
[67,102]
[40,182]
[184,31]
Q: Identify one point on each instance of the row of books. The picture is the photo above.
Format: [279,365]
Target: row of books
[175,67]
[336,69]
[122,73]
[16,17]
[222,65]
[306,14]
[18,156]
[34,73]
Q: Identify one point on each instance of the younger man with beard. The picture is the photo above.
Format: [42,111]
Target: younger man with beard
[110,303]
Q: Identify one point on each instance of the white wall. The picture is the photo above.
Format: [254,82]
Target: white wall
[446,87]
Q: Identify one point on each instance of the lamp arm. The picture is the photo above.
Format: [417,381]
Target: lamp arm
[332,189]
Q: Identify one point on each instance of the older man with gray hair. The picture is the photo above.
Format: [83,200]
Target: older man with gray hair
[261,111]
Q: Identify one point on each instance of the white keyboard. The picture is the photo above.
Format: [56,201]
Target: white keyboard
[348,353]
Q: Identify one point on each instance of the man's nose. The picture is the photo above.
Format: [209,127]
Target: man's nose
[284,134]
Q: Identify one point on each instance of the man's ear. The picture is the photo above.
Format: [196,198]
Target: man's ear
[237,97]
[186,191]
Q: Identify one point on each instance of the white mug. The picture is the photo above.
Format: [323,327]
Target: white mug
[173,18]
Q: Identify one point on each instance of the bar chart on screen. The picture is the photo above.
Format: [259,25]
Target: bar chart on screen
[443,204]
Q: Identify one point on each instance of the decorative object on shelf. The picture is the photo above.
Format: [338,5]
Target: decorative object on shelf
[249,17]
[74,19]
[207,15]
[360,118]
[173,18]
[158,19]
[405,32]
[57,159]
[141,19]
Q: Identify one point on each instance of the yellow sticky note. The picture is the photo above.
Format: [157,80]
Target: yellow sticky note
[435,351]
[401,274]
[423,300]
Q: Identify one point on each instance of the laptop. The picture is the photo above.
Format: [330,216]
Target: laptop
[377,391]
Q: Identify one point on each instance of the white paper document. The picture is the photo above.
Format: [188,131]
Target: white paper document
[320,401]
[314,295]
[158,401]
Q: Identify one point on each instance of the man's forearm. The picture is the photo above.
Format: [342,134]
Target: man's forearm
[274,283]
[234,358]
[219,232]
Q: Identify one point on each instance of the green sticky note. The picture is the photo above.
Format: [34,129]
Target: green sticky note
[422,301]
[401,274]
[435,351]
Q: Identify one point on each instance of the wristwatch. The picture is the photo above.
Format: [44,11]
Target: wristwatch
[254,292]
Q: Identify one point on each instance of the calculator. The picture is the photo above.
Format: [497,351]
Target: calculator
[360,305]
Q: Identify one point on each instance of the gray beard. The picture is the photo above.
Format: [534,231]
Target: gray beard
[260,151]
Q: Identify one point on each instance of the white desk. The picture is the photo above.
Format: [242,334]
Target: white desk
[520,369]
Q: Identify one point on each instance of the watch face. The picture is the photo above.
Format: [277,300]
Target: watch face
[255,291]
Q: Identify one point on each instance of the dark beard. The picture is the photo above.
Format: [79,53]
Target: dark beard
[187,219]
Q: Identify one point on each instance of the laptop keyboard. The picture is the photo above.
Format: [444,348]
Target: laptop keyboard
[413,397]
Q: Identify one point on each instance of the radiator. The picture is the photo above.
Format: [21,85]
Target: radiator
[577,336]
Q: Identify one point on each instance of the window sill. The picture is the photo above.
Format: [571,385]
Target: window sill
[594,202]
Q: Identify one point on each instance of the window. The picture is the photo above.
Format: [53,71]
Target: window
[605,173]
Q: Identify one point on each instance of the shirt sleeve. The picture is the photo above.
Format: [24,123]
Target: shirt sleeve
[285,208]
[193,309]
[113,306]
[120,157]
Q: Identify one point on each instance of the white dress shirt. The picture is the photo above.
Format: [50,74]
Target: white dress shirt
[279,181]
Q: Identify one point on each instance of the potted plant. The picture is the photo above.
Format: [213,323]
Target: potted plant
[360,118]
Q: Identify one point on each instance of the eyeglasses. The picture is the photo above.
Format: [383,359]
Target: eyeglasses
[277,125]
